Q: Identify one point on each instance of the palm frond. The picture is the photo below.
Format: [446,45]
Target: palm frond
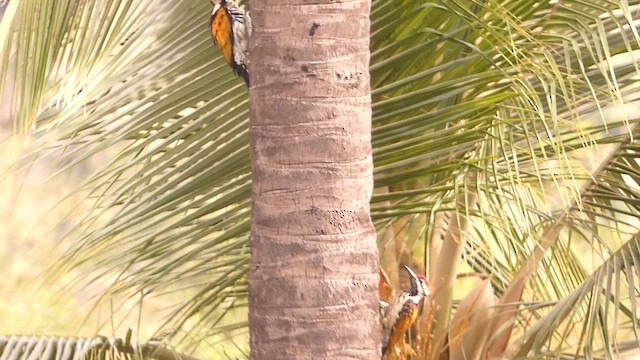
[598,303]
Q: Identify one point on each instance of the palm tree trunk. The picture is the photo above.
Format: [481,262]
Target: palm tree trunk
[314,263]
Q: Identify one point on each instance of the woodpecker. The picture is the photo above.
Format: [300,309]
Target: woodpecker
[231,28]
[398,315]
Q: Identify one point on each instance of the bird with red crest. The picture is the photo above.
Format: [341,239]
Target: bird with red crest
[400,314]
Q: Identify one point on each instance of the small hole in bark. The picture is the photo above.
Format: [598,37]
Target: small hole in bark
[313,29]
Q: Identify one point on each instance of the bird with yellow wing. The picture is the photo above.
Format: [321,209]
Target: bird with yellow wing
[231,29]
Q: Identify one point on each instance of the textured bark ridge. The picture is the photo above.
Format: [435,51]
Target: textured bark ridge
[314,263]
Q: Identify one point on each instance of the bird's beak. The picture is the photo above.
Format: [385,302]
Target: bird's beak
[415,282]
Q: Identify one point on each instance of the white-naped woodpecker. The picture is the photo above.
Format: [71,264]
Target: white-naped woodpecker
[231,29]
[401,312]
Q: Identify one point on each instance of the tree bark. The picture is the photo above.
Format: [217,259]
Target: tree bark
[313,278]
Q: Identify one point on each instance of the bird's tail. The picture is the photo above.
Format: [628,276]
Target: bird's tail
[243,73]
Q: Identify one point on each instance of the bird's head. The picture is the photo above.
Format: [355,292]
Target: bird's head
[419,285]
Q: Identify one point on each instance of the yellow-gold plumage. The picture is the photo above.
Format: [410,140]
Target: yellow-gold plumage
[400,314]
[222,33]
[231,28]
